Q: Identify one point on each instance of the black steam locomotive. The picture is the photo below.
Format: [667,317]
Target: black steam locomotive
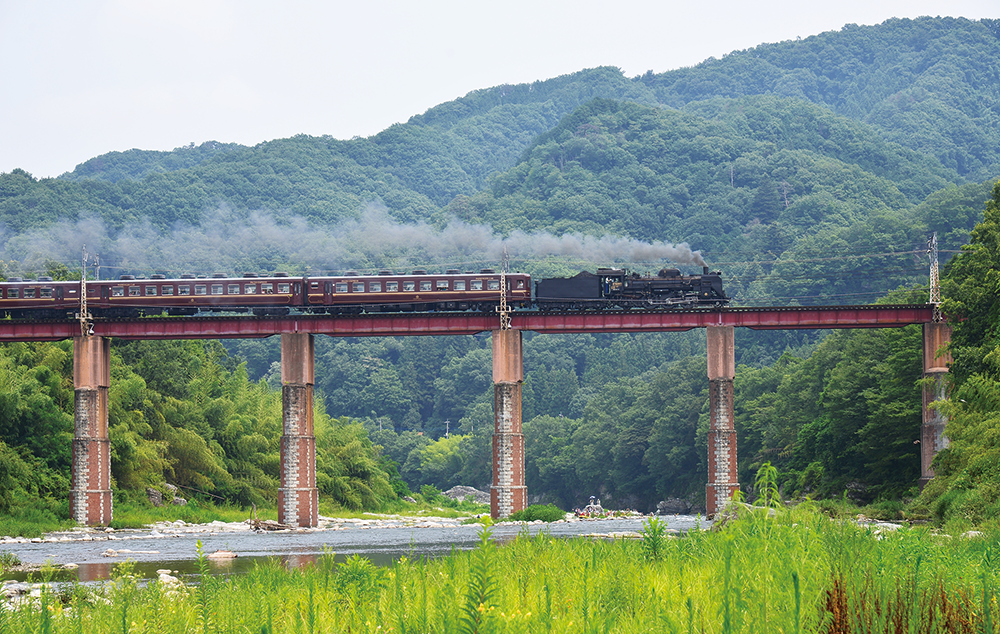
[619,287]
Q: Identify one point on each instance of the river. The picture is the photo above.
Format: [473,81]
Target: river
[90,554]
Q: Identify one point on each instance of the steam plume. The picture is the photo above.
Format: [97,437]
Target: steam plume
[227,241]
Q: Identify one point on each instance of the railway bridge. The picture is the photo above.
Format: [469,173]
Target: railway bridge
[90,488]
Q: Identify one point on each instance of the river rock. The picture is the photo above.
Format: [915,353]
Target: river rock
[155,497]
[14,589]
[673,506]
[223,554]
[461,492]
[169,581]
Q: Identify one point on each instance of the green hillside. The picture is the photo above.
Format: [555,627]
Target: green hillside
[809,172]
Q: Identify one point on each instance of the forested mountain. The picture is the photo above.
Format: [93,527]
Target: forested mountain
[809,171]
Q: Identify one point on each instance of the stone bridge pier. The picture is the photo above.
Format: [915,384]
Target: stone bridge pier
[90,477]
[298,497]
[722,475]
[937,336]
[508,493]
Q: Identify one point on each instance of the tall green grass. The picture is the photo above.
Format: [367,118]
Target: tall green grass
[796,572]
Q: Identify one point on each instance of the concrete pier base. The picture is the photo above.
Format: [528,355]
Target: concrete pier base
[298,497]
[937,336]
[508,493]
[90,500]
[722,474]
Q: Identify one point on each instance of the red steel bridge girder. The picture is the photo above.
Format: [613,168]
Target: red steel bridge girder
[402,324]
[368,325]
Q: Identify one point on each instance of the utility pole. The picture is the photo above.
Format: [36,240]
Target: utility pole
[504,309]
[935,283]
[86,323]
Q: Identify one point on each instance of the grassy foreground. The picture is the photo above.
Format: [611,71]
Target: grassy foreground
[797,572]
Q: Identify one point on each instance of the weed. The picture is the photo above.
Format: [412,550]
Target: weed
[766,486]
[8,560]
[654,538]
[205,582]
[477,611]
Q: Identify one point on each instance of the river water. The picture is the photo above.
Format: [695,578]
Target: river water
[91,554]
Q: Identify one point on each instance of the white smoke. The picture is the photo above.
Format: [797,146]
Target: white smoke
[227,241]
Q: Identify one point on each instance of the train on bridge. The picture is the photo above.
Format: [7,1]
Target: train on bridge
[386,291]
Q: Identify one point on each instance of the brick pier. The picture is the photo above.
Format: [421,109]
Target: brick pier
[298,497]
[90,479]
[937,335]
[722,476]
[507,495]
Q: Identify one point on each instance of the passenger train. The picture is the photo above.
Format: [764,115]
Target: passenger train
[281,294]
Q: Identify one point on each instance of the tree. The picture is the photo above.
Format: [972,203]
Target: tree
[967,475]
[971,291]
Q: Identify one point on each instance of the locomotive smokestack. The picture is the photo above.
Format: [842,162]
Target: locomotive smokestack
[704,270]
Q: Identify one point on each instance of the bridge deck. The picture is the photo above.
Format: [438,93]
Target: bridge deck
[401,324]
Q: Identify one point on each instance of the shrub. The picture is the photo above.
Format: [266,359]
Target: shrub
[546,513]
[431,494]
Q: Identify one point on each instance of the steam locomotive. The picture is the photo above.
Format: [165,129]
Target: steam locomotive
[619,287]
[280,294]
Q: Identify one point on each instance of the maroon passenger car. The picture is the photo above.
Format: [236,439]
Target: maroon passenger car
[40,299]
[189,294]
[417,291]
[277,294]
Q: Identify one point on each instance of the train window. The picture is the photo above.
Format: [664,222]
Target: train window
[477,285]
[12,293]
[341,287]
[234,289]
[200,289]
[391,287]
[151,290]
[459,285]
[358,287]
[216,289]
[284,288]
[266,288]
[409,286]
[118,291]
[166,289]
[45,291]
[375,287]
[442,285]
[520,284]
[314,285]
[29,292]
[183,290]
[493,285]
[249,289]
[133,291]
[425,285]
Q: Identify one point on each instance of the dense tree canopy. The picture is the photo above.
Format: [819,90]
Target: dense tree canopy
[967,474]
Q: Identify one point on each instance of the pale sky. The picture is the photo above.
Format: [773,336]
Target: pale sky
[83,77]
